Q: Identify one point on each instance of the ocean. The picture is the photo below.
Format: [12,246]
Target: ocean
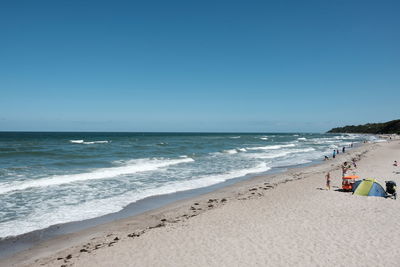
[52,178]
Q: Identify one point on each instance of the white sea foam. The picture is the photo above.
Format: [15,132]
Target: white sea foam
[264,138]
[233,151]
[235,137]
[347,136]
[96,142]
[270,147]
[375,139]
[379,141]
[91,209]
[76,141]
[345,144]
[162,144]
[130,167]
[280,153]
[302,156]
[88,142]
[303,150]
[322,141]
[270,155]
[302,139]
[230,151]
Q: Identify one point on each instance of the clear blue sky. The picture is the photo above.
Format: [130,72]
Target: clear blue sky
[198,65]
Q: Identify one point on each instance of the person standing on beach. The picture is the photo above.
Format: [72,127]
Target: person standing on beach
[334,153]
[343,149]
[354,162]
[345,168]
[337,151]
[328,181]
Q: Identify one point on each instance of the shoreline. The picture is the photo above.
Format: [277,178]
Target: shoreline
[169,213]
[17,244]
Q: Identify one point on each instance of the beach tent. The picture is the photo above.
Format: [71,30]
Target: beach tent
[369,187]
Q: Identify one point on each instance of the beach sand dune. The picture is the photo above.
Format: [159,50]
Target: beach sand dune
[287,219]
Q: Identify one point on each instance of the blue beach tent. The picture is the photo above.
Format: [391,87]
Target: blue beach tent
[369,187]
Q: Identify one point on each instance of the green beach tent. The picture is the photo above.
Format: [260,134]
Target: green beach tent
[369,187]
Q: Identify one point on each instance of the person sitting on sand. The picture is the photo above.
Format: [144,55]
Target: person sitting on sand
[395,163]
[328,181]
[326,158]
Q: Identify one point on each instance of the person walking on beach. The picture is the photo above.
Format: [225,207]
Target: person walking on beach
[334,153]
[328,181]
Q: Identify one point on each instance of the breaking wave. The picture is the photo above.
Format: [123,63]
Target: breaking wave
[130,167]
[88,142]
[270,147]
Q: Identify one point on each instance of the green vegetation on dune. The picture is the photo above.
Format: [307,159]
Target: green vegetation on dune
[390,127]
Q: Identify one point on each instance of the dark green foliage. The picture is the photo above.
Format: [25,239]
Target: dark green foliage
[390,127]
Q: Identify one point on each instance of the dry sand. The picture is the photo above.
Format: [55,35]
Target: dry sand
[275,220]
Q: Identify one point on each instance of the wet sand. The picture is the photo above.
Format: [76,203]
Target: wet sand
[273,220]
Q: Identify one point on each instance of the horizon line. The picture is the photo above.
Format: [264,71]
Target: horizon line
[211,132]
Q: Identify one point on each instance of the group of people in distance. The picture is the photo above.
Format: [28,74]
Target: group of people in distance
[346,166]
[336,152]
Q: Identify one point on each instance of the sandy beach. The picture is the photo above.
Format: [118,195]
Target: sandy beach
[199,133]
[274,220]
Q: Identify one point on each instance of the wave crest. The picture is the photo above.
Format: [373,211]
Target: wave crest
[270,147]
[88,142]
[130,167]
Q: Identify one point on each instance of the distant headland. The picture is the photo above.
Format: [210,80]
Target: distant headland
[390,127]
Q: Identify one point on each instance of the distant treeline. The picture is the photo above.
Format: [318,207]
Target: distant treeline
[390,127]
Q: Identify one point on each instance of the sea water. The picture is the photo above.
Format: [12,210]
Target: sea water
[52,178]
